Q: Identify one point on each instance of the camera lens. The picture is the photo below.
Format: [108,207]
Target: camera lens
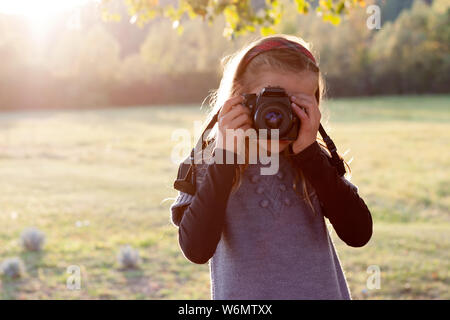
[273,119]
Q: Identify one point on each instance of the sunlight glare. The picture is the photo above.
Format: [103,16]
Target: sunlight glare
[39,14]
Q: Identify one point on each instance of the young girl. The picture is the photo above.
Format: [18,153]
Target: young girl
[265,235]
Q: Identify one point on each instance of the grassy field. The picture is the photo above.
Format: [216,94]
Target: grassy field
[96,180]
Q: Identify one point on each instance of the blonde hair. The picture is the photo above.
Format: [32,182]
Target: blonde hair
[236,79]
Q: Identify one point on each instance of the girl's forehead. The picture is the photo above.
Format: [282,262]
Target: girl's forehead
[305,82]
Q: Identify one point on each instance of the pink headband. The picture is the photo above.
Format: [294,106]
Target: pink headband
[276,44]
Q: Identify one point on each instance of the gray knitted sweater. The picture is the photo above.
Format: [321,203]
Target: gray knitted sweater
[273,246]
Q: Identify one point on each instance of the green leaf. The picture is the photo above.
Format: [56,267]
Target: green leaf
[265,31]
[231,16]
[326,4]
[340,7]
[332,18]
[302,6]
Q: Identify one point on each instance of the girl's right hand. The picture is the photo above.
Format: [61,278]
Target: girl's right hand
[233,115]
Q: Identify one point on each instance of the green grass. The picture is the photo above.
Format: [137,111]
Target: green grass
[112,169]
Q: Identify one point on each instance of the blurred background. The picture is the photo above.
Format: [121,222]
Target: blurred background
[61,54]
[87,111]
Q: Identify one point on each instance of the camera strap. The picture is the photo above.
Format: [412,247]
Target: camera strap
[336,161]
[186,181]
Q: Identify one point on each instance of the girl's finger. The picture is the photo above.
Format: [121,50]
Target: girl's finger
[230,103]
[306,103]
[300,112]
[310,108]
[240,121]
[236,111]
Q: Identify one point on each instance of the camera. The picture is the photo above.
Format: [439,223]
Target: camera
[271,109]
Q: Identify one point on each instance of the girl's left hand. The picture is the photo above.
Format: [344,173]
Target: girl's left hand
[307,109]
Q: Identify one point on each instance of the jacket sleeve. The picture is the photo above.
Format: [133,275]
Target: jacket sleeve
[200,217]
[339,199]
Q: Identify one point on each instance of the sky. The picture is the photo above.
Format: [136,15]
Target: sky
[38,9]
[40,14]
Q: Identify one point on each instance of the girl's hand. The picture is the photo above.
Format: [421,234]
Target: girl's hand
[307,109]
[233,115]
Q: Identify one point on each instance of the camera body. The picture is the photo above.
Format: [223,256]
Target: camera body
[271,109]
